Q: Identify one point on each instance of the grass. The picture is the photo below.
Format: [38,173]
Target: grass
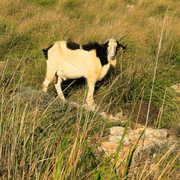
[42,138]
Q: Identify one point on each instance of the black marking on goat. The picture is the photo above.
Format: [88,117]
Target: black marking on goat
[72,45]
[90,46]
[120,46]
[45,51]
[101,51]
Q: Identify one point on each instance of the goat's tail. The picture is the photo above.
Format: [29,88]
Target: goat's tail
[45,51]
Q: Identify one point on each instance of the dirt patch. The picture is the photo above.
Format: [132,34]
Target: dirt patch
[140,112]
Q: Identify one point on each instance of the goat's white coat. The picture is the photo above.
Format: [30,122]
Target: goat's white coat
[73,64]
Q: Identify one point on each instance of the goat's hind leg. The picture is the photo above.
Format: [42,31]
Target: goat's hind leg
[57,83]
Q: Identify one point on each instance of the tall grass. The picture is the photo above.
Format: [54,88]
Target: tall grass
[44,139]
[41,138]
[155,69]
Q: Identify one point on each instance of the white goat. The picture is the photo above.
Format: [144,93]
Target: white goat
[68,60]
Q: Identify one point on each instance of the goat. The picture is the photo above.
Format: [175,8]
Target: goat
[68,60]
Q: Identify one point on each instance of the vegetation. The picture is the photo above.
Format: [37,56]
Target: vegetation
[41,138]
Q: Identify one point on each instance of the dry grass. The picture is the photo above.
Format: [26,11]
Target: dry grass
[43,139]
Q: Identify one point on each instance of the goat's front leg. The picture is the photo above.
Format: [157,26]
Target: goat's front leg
[91,86]
[49,78]
[58,82]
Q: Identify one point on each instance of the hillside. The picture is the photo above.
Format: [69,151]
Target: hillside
[40,137]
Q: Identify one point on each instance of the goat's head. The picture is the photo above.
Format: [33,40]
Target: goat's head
[112,47]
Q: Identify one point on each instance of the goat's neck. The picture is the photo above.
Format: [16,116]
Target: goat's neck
[112,62]
[104,71]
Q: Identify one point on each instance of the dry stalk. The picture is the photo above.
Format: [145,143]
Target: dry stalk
[168,152]
[162,109]
[155,69]
[169,165]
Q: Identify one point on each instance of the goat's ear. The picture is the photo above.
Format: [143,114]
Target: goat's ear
[120,46]
[105,45]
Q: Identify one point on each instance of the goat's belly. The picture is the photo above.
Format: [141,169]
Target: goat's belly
[71,74]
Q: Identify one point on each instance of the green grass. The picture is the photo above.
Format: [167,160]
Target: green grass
[42,138]
[45,2]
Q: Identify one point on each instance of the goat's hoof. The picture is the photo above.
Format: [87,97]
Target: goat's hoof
[90,107]
[62,100]
[73,104]
[44,90]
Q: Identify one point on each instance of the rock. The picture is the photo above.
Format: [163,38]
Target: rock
[124,119]
[176,87]
[155,133]
[153,141]
[117,139]
[113,118]
[151,20]
[134,135]
[130,8]
[109,148]
[109,145]
[104,115]
[117,130]
[117,118]
[119,115]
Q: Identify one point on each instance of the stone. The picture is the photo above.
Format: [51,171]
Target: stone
[117,139]
[109,145]
[176,87]
[124,119]
[117,130]
[112,118]
[152,20]
[130,8]
[117,118]
[119,115]
[104,115]
[153,139]
[155,133]
[153,142]
[133,135]
[109,148]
